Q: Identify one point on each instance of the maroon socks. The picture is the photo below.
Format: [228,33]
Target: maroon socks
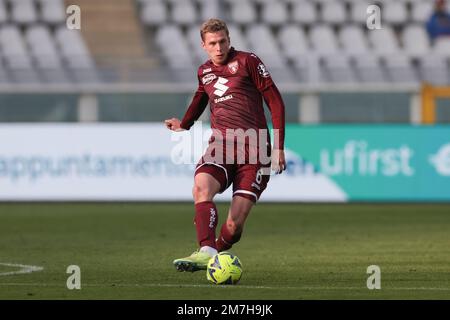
[206,218]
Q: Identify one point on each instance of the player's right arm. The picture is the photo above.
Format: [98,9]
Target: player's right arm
[195,110]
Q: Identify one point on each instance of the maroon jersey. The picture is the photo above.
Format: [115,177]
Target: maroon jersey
[235,91]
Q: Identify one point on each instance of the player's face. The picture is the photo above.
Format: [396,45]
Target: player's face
[216,45]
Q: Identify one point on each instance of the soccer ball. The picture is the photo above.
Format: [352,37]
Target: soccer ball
[224,268]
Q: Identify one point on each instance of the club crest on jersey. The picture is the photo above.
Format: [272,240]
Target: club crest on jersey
[208,78]
[233,67]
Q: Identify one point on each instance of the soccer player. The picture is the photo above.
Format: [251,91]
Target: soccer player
[234,83]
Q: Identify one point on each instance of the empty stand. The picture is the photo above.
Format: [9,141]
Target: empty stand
[421,11]
[368,69]
[16,55]
[45,53]
[415,40]
[337,69]
[304,12]
[353,40]
[323,40]
[333,12]
[434,69]
[395,12]
[52,12]
[274,13]
[23,11]
[154,12]
[293,41]
[298,40]
[36,45]
[184,12]
[310,40]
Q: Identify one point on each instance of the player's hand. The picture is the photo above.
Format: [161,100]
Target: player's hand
[173,124]
[278,161]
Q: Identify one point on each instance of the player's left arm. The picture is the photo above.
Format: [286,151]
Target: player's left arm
[274,101]
[264,83]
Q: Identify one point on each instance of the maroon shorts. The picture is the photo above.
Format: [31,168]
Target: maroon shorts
[249,179]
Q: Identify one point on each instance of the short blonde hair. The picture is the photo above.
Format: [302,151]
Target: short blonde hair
[213,25]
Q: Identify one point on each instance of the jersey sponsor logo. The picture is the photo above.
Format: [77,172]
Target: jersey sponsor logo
[233,67]
[220,86]
[263,71]
[228,97]
[207,70]
[208,78]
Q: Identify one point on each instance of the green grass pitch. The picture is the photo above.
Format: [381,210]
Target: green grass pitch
[289,251]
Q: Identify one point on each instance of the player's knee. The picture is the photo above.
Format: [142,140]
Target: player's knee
[201,193]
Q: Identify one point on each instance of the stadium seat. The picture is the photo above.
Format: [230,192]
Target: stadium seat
[399,69]
[394,12]
[415,40]
[184,12]
[71,44]
[421,11]
[321,2]
[261,2]
[45,53]
[16,55]
[176,52]
[42,46]
[23,11]
[274,13]
[53,11]
[323,40]
[264,44]
[338,69]
[368,69]
[358,11]
[154,12]
[304,12]
[3,12]
[333,12]
[383,41]
[242,12]
[237,38]
[307,68]
[193,37]
[353,40]
[4,78]
[441,46]
[434,69]
[209,9]
[293,41]
[76,55]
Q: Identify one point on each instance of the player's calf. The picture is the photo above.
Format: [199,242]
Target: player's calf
[227,237]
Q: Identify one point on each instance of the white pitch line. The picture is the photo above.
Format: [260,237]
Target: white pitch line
[23,269]
[167,285]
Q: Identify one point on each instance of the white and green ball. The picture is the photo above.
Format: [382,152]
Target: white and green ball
[224,268]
